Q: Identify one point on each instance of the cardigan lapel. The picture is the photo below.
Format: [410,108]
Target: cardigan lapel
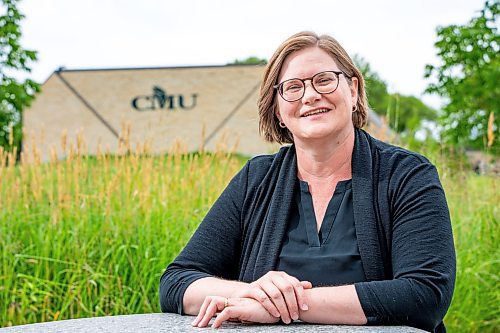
[278,215]
[364,207]
[269,217]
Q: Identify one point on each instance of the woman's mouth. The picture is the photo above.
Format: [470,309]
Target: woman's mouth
[314,112]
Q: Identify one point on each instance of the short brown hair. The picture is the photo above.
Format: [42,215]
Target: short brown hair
[268,122]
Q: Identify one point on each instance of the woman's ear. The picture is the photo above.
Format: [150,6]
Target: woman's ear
[354,89]
[277,114]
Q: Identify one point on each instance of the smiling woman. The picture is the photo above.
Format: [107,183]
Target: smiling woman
[317,115]
[336,228]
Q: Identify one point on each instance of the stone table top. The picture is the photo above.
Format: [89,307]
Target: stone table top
[169,322]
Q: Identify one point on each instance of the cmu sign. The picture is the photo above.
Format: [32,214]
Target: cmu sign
[159,99]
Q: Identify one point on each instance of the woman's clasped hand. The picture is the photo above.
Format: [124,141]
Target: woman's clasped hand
[275,296]
[245,310]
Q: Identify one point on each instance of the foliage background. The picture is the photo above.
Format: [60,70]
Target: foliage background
[468,77]
[15,94]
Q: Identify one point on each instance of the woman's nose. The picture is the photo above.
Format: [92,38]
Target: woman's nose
[310,94]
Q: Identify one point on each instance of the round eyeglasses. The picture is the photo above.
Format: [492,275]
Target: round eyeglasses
[323,83]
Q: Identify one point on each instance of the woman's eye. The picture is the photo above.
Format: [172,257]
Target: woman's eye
[324,81]
[293,87]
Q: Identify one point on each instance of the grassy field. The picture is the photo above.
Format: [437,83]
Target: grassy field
[88,237]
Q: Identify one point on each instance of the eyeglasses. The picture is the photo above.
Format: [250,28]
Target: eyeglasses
[323,83]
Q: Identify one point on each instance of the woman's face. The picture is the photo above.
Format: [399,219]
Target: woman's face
[316,116]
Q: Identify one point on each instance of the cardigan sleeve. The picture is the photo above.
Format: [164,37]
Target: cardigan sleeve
[422,254]
[213,249]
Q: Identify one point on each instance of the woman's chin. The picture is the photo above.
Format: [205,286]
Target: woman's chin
[319,131]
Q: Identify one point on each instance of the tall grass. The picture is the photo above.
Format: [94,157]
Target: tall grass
[88,237]
[474,207]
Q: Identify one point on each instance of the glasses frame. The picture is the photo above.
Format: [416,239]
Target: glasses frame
[279,86]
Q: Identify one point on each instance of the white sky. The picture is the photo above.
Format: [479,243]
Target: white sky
[395,36]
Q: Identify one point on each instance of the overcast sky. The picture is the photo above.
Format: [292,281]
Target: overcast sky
[396,37]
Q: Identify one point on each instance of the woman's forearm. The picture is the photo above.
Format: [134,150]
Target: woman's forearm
[210,286]
[333,305]
[327,305]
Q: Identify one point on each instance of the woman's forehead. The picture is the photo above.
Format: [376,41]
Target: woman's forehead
[306,62]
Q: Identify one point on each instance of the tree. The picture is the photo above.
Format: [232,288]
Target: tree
[15,95]
[468,77]
[250,61]
[376,88]
[403,113]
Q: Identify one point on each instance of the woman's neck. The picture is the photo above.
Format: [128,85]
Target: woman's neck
[326,160]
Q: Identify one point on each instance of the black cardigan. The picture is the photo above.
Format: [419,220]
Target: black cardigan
[402,226]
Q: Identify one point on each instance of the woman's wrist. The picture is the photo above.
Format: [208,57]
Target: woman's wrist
[333,305]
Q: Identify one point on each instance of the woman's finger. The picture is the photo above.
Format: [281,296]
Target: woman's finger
[299,286]
[280,294]
[210,307]
[276,296]
[211,311]
[300,294]
[226,315]
[287,289]
[202,311]
[245,310]
[306,284]
[259,295]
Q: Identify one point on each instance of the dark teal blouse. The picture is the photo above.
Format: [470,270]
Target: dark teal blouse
[329,257]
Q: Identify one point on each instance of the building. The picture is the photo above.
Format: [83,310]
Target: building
[115,110]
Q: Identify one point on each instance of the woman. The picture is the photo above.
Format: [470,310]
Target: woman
[337,228]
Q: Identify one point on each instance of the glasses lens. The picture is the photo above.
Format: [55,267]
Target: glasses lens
[325,82]
[292,90]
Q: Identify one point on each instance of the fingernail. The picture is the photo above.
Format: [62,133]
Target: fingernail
[295,316]
[305,307]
